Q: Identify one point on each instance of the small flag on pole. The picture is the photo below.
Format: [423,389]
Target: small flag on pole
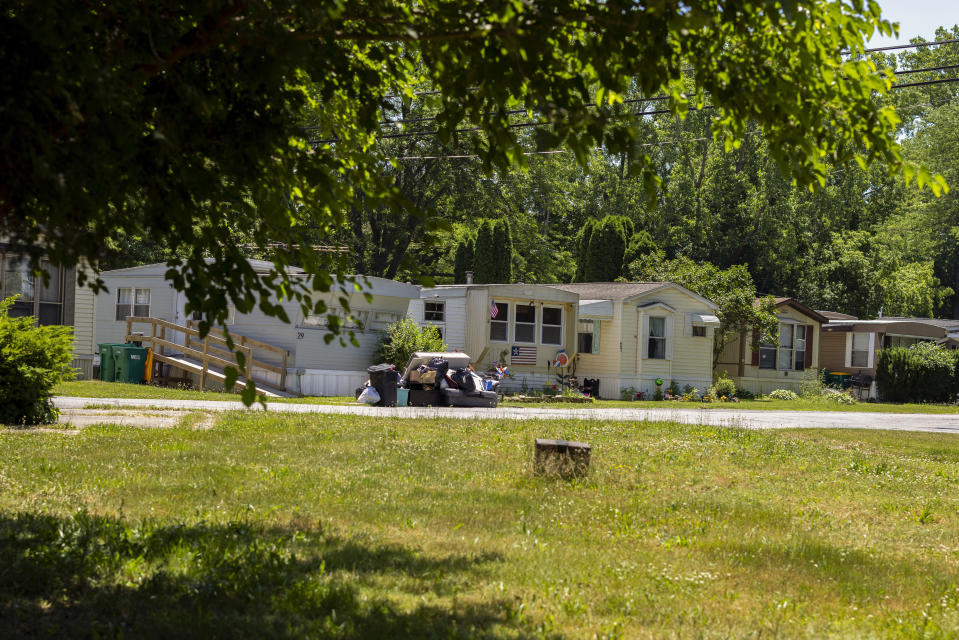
[493,310]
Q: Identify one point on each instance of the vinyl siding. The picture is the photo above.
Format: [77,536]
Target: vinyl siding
[84,320]
[454,319]
[832,350]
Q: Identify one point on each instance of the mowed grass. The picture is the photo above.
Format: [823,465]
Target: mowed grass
[283,526]
[97,389]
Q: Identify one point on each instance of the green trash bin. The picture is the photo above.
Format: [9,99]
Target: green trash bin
[107,367]
[130,363]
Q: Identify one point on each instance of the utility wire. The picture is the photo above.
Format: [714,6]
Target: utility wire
[539,153]
[932,43]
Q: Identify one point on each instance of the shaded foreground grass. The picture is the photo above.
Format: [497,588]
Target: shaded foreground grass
[338,526]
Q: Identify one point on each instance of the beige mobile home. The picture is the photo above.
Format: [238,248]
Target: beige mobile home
[521,325]
[313,366]
[631,333]
[774,366]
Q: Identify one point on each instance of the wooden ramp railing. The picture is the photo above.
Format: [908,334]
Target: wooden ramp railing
[210,350]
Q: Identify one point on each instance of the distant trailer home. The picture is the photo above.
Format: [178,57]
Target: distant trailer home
[58,301]
[630,334]
[850,345]
[314,367]
[776,366]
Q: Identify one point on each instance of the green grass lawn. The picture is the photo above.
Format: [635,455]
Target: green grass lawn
[97,389]
[289,526]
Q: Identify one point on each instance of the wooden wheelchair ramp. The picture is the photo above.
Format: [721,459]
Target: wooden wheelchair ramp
[208,357]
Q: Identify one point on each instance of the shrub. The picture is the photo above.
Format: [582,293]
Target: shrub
[403,338]
[813,384]
[673,388]
[841,398]
[711,395]
[32,360]
[924,372]
[725,386]
[783,394]
[628,393]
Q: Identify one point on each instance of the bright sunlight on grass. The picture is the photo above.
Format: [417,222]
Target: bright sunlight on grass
[272,525]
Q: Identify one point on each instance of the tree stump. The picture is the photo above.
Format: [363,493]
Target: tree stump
[564,458]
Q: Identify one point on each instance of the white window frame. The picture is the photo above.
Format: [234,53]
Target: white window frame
[498,321]
[650,337]
[561,326]
[863,353]
[441,311]
[134,291]
[516,323]
[799,336]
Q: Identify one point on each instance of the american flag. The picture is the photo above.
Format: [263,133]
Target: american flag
[522,355]
[493,310]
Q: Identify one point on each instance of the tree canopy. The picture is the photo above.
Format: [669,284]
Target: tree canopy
[224,129]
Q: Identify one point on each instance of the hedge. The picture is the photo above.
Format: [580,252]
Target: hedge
[924,372]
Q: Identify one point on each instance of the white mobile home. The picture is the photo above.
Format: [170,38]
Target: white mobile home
[314,367]
[523,326]
[631,333]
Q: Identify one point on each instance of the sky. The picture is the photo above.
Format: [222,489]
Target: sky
[916,18]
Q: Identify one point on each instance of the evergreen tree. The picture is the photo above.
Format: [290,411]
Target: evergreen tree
[463,260]
[503,242]
[582,248]
[484,254]
[607,249]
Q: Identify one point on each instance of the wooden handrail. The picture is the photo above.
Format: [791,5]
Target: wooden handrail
[209,354]
[247,340]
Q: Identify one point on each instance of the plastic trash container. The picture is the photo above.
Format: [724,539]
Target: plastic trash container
[107,368]
[384,379]
[402,397]
[130,363]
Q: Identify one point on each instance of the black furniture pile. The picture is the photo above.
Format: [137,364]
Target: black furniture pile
[434,384]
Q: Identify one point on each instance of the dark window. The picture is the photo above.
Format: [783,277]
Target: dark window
[699,332]
[552,330]
[434,311]
[524,327]
[657,338]
[499,326]
[767,356]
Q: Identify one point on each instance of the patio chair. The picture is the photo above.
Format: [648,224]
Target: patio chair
[859,382]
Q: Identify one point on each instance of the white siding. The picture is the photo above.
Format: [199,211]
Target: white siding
[84,321]
[162,303]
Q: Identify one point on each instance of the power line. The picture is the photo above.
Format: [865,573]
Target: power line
[538,153]
[910,46]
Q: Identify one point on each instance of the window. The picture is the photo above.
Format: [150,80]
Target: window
[901,341]
[587,336]
[524,327]
[18,281]
[499,322]
[767,355]
[699,332]
[800,353]
[552,329]
[48,311]
[133,302]
[657,338]
[786,346]
[860,350]
[434,311]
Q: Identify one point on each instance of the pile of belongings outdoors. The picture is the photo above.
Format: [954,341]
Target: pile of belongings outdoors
[430,380]
[447,379]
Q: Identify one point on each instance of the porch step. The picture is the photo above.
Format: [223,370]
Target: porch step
[213,373]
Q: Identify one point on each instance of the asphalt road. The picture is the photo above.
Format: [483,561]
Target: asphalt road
[753,419]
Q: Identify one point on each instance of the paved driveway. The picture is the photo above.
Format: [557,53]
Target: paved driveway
[754,419]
